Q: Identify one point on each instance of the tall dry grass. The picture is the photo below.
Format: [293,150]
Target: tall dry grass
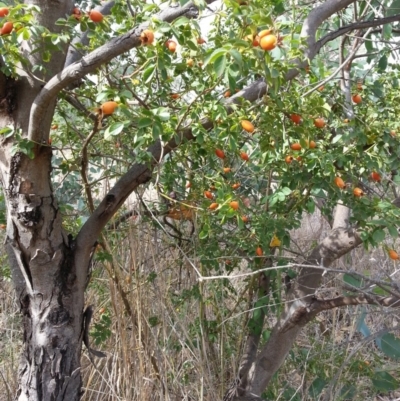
[150,314]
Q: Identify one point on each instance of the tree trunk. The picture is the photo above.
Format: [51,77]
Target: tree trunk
[44,272]
[42,258]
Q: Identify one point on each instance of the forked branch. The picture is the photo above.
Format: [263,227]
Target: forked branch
[305,314]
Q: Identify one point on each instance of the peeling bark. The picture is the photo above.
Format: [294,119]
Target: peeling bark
[41,258]
[50,296]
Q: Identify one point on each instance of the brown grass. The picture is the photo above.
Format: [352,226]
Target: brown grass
[161,349]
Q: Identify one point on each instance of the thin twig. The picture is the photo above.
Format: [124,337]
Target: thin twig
[85,162]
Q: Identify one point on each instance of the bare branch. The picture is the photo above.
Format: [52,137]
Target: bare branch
[319,305]
[305,314]
[85,162]
[73,101]
[314,20]
[356,26]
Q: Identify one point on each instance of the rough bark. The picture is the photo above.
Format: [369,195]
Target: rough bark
[41,258]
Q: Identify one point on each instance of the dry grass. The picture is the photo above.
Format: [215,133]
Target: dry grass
[159,347]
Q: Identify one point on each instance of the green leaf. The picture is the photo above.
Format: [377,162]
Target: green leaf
[192,45]
[23,34]
[257,313]
[316,387]
[204,232]
[310,206]
[214,55]
[348,392]
[393,9]
[144,122]
[387,31]
[125,94]
[164,27]
[279,7]
[353,281]
[369,45]
[381,291]
[102,96]
[378,235]
[266,335]
[377,87]
[7,131]
[157,130]
[337,138]
[254,323]
[383,381]
[154,321]
[83,26]
[241,43]
[233,72]
[55,39]
[220,65]
[237,56]
[112,130]
[180,21]
[148,74]
[327,106]
[376,222]
[274,73]
[390,345]
[162,113]
[361,326]
[382,64]
[46,56]
[393,231]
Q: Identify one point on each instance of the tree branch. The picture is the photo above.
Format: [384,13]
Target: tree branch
[319,305]
[309,30]
[74,54]
[305,314]
[73,101]
[314,20]
[351,27]
[85,162]
[339,242]
[90,62]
